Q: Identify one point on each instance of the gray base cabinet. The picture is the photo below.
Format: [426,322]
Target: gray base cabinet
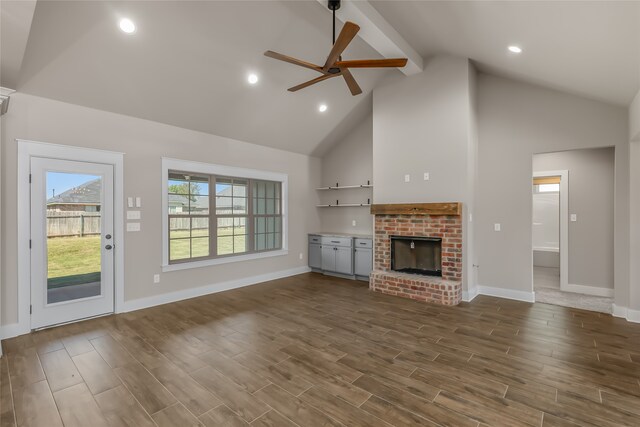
[348,256]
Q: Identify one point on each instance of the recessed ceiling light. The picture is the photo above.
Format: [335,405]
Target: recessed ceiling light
[322,108]
[515,49]
[127,26]
[252,79]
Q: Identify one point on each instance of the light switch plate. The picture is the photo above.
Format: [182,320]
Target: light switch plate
[574,217]
[426,176]
[497,227]
[130,202]
[138,202]
[133,226]
[156,278]
[407,178]
[133,214]
[353,223]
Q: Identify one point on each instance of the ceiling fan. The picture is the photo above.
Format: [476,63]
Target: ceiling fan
[334,66]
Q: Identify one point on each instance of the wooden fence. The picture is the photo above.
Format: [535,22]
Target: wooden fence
[63,224]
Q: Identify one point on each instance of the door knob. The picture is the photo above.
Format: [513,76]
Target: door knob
[108,247]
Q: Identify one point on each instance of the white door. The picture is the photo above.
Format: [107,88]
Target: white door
[72,249]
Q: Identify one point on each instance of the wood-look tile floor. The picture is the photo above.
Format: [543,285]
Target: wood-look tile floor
[312,350]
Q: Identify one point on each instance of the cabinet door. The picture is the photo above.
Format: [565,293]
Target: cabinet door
[363,262]
[344,260]
[328,258]
[315,256]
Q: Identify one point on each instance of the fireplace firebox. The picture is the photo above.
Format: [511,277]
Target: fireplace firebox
[416,255]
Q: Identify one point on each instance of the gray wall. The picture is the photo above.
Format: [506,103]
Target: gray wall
[144,143]
[591,198]
[426,123]
[634,159]
[349,162]
[517,120]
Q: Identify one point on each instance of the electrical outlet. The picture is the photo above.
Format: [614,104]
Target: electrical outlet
[574,217]
[407,178]
[497,227]
[156,278]
[426,176]
[301,255]
[353,223]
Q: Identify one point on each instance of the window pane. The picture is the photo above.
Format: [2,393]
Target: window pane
[200,188]
[239,206]
[179,249]
[199,227]
[239,189]
[261,189]
[178,228]
[270,224]
[269,239]
[178,204]
[271,210]
[239,226]
[225,245]
[269,190]
[199,205]
[225,226]
[199,247]
[260,242]
[277,243]
[178,186]
[261,207]
[223,205]
[278,185]
[239,244]
[223,187]
[548,188]
[261,225]
[278,224]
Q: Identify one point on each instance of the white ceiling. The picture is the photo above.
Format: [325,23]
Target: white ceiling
[590,48]
[188,61]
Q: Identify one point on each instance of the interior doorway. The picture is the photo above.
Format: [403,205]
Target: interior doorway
[572,228]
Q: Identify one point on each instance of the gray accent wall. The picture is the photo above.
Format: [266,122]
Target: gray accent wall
[517,120]
[591,198]
[349,162]
[427,123]
[144,143]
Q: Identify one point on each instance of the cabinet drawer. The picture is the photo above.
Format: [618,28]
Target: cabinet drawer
[313,238]
[337,241]
[364,243]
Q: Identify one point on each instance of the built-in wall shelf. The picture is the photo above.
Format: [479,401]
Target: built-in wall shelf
[345,187]
[345,205]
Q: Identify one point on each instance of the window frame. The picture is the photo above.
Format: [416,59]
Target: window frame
[222,171]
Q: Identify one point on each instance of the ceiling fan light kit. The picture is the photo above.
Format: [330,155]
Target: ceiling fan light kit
[334,65]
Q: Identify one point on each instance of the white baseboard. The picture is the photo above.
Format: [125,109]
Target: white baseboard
[140,303]
[507,293]
[15,329]
[626,313]
[468,296]
[589,290]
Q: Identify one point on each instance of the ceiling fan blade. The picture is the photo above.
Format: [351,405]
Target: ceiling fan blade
[291,60]
[311,82]
[351,82]
[372,63]
[349,31]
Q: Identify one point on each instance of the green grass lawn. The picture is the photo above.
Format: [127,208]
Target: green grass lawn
[200,243]
[76,259]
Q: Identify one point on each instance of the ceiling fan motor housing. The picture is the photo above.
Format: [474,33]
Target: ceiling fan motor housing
[334,4]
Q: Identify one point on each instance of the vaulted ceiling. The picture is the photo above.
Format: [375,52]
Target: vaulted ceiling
[187,63]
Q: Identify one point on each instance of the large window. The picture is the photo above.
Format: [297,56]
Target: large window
[219,216]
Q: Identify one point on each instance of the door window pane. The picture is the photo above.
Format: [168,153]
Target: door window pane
[74,236]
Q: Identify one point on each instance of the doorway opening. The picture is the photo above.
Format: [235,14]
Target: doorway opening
[572,228]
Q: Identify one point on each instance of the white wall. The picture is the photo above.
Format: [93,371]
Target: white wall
[634,159]
[349,162]
[591,198]
[426,123]
[546,221]
[144,143]
[517,120]
[634,119]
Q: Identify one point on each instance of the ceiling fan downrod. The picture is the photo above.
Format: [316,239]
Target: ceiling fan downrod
[334,5]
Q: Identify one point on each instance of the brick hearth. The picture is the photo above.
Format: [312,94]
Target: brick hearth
[446,290]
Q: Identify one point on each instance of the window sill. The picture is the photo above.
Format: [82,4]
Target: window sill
[226,260]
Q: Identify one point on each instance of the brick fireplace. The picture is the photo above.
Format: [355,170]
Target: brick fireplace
[423,221]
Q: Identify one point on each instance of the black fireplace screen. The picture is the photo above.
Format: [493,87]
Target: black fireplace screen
[416,255]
